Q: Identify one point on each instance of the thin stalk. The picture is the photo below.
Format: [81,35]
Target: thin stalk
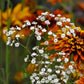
[7,48]
[1,52]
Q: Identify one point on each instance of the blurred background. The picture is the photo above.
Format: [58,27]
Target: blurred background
[15,57]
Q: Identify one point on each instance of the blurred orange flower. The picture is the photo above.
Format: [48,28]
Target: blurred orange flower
[19,77]
[80,81]
[31,68]
[54,1]
[81,5]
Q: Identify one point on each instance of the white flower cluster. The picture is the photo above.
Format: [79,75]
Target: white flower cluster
[57,74]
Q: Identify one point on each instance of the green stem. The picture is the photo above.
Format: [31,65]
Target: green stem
[26,48]
[7,48]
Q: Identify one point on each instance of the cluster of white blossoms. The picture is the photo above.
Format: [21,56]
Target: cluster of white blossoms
[53,72]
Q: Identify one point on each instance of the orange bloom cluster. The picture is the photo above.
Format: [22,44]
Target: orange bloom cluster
[80,81]
[69,41]
[54,1]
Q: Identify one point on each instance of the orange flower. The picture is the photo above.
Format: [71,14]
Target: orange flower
[81,5]
[31,68]
[54,1]
[74,45]
[80,81]
[19,77]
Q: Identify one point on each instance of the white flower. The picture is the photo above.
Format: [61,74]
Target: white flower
[59,23]
[33,61]
[72,30]
[37,78]
[38,38]
[33,54]
[43,69]
[49,33]
[23,26]
[59,15]
[34,22]
[63,29]
[17,36]
[68,19]
[56,80]
[52,15]
[62,35]
[56,18]
[57,71]
[49,77]
[49,70]
[41,51]
[59,60]
[55,40]
[68,33]
[32,27]
[54,35]
[46,42]
[44,30]
[17,44]
[66,60]
[42,18]
[47,62]
[63,73]
[18,28]
[47,22]
[28,22]
[70,67]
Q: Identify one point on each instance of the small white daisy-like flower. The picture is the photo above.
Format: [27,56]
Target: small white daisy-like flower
[63,73]
[49,77]
[34,22]
[47,62]
[46,42]
[68,19]
[59,60]
[54,35]
[42,18]
[23,26]
[70,67]
[17,36]
[18,28]
[26,58]
[59,15]
[56,18]
[72,30]
[62,35]
[37,78]
[32,28]
[33,61]
[44,30]
[68,33]
[33,54]
[59,23]
[28,22]
[55,40]
[56,80]
[66,60]
[50,33]
[49,70]
[43,69]
[17,44]
[38,38]
[52,15]
[47,22]
[41,51]
[57,71]
[63,29]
